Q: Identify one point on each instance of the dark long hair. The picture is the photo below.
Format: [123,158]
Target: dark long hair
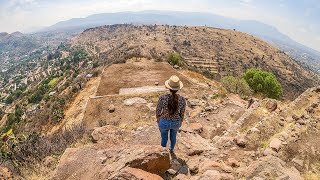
[173,102]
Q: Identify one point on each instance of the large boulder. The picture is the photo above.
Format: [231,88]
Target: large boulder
[269,167]
[99,162]
[154,159]
[108,134]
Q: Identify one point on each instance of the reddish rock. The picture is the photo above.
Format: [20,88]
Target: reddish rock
[154,159]
[108,134]
[5,173]
[211,175]
[197,127]
[49,161]
[272,105]
[209,165]
[275,144]
[233,162]
[193,165]
[135,174]
[226,176]
[241,142]
[181,177]
[111,108]
[98,161]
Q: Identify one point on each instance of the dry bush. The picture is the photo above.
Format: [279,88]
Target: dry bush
[36,147]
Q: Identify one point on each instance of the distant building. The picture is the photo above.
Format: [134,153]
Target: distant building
[52,93]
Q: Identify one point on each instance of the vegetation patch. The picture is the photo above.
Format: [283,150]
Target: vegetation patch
[175,59]
[236,85]
[254,81]
[53,81]
[263,82]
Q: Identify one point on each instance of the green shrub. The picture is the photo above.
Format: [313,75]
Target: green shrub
[14,118]
[58,115]
[175,59]
[236,85]
[263,82]
[53,81]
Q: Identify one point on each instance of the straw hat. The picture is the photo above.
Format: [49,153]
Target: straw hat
[174,83]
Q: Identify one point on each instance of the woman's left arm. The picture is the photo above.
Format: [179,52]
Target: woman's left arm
[159,109]
[182,110]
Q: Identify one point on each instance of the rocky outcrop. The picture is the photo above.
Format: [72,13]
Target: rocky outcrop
[269,167]
[96,162]
[111,157]
[265,142]
[108,135]
[134,174]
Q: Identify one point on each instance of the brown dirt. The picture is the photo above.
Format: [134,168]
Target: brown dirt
[136,74]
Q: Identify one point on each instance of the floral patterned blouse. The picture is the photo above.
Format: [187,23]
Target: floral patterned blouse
[162,108]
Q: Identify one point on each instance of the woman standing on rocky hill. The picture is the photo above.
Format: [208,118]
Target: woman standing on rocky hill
[170,112]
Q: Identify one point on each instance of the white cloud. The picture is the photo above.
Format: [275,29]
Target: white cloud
[303,30]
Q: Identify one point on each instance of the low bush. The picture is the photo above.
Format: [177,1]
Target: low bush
[236,85]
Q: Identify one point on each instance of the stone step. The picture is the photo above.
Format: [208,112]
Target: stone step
[141,90]
[214,71]
[205,66]
[200,59]
[203,62]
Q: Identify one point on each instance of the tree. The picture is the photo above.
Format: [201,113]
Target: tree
[263,82]
[175,59]
[9,99]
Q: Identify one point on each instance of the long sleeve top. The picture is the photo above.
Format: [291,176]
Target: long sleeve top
[163,112]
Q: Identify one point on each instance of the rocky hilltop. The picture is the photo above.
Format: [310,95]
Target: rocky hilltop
[218,52]
[223,137]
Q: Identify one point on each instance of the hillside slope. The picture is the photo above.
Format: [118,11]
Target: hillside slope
[221,138]
[218,51]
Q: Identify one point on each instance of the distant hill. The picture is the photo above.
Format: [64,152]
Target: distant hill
[256,28]
[216,52]
[3,34]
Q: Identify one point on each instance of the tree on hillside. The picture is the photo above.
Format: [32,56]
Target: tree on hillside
[263,82]
[175,59]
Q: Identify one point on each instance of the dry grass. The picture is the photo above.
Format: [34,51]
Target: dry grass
[30,153]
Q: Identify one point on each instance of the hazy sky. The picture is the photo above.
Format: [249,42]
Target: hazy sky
[299,19]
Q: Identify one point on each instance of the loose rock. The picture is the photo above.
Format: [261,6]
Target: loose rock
[111,108]
[135,100]
[275,144]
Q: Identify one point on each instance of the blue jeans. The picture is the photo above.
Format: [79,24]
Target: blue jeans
[165,127]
